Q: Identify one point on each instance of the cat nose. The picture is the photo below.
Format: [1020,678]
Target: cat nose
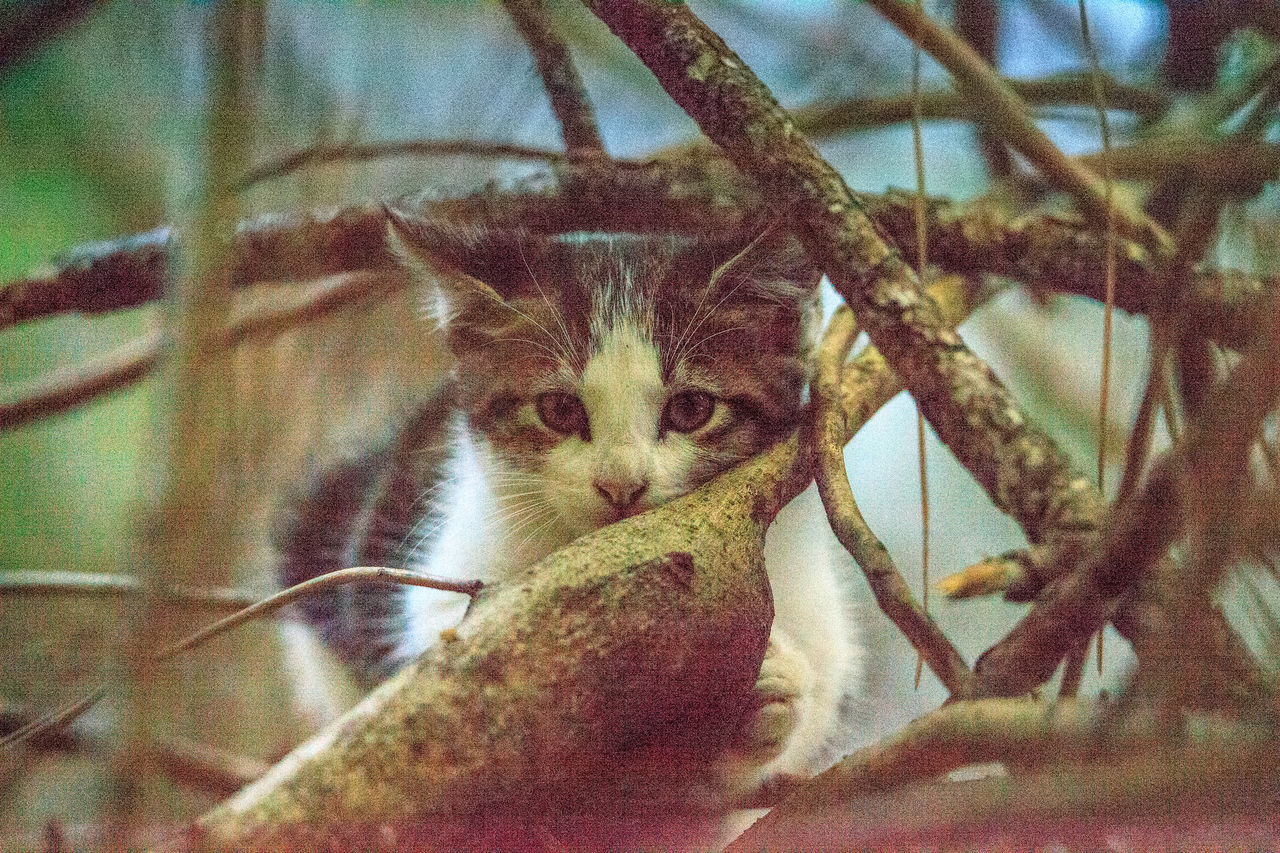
[621,494]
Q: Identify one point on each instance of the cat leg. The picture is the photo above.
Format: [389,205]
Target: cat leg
[777,708]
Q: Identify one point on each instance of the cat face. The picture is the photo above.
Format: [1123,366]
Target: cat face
[607,374]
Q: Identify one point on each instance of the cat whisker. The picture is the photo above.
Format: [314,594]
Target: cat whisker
[536,531]
[552,356]
[706,338]
[555,312]
[690,332]
[564,354]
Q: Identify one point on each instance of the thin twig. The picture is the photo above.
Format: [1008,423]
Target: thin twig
[560,78]
[1073,670]
[980,82]
[354,153]
[118,586]
[27,27]
[66,387]
[824,119]
[829,428]
[1070,686]
[57,719]
[205,767]
[1007,571]
[196,765]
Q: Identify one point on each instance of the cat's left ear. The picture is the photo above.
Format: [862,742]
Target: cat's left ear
[465,269]
[773,267]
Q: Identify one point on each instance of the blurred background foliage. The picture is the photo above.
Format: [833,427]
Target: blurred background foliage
[96,132]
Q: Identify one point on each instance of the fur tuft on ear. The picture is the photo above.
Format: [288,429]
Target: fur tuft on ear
[453,264]
[773,267]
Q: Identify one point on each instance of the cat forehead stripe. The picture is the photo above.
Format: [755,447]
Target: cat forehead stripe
[620,300]
[622,387]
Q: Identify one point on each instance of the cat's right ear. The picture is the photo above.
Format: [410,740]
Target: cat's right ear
[445,260]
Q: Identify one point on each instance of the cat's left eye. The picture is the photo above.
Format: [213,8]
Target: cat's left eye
[688,411]
[563,413]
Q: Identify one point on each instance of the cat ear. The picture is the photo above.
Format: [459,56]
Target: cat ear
[773,267]
[463,269]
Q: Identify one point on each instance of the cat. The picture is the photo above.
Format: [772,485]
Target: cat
[596,376]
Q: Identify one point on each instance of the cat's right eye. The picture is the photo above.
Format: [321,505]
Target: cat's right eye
[563,413]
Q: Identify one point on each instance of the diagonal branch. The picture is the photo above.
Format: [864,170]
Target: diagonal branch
[380,150]
[67,387]
[831,429]
[559,77]
[1078,603]
[1070,780]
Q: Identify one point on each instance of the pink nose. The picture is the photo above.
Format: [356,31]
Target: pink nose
[621,494]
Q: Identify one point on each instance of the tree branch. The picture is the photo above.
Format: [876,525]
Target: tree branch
[1012,122]
[830,433]
[117,586]
[1077,603]
[559,77]
[67,387]
[1211,769]
[26,27]
[698,193]
[353,153]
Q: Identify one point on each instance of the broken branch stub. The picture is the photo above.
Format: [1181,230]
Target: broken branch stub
[612,671]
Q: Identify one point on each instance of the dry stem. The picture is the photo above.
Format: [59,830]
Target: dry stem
[351,153]
[118,586]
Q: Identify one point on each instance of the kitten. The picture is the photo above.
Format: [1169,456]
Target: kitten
[596,376]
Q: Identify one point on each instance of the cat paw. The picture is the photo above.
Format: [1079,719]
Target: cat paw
[777,701]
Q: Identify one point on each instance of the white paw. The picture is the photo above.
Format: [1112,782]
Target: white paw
[776,708]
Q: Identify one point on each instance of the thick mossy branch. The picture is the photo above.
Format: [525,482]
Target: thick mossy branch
[590,665]
[1051,252]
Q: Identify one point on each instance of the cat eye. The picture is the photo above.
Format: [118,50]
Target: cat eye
[688,411]
[563,413]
